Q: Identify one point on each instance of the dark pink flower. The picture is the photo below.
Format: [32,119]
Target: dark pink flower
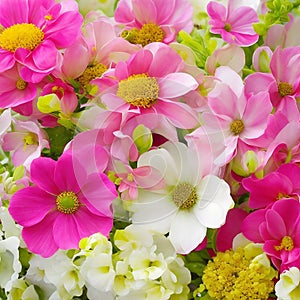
[64,205]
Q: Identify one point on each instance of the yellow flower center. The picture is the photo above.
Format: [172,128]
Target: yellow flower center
[21,84]
[90,73]
[24,35]
[67,202]
[285,89]
[184,196]
[149,33]
[227,27]
[286,244]
[237,127]
[232,275]
[30,139]
[139,90]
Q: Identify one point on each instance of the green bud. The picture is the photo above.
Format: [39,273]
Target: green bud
[264,62]
[142,137]
[48,103]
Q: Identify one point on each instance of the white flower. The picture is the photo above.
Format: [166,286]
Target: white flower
[192,200]
[22,291]
[288,286]
[10,266]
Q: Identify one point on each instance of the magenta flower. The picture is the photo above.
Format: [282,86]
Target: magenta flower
[64,205]
[282,184]
[148,83]
[278,228]
[149,21]
[234,24]
[32,31]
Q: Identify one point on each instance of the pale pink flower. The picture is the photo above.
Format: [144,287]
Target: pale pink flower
[234,115]
[234,23]
[283,83]
[32,33]
[148,83]
[154,20]
[63,206]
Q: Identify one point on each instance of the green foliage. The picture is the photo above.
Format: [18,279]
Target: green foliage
[277,13]
[59,136]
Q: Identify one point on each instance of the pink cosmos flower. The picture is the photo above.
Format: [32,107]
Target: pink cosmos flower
[278,228]
[283,83]
[25,142]
[64,205]
[149,21]
[234,24]
[14,90]
[148,83]
[32,32]
[282,184]
[233,114]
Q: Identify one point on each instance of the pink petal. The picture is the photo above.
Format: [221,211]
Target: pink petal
[144,11]
[7,60]
[98,194]
[243,17]
[175,85]
[39,238]
[179,114]
[123,12]
[88,223]
[65,231]
[251,225]
[140,62]
[69,173]
[42,174]
[275,225]
[30,205]
[216,11]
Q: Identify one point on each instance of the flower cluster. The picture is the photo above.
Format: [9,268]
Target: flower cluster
[149,149]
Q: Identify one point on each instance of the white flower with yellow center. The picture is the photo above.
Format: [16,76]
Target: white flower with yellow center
[192,200]
[288,286]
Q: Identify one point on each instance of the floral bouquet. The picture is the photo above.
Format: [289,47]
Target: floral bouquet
[150,149]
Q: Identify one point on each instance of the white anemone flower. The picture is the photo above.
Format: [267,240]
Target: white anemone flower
[192,200]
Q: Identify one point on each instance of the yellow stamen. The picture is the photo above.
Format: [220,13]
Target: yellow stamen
[67,202]
[227,27]
[21,84]
[285,89]
[286,244]
[30,139]
[139,90]
[48,17]
[237,127]
[149,33]
[90,73]
[24,35]
[184,196]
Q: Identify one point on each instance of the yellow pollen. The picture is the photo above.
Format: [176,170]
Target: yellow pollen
[27,36]
[285,89]
[48,17]
[30,139]
[237,127]
[67,202]
[184,196]
[231,275]
[227,27]
[21,84]
[130,177]
[90,73]
[58,90]
[149,33]
[286,244]
[139,90]
[281,196]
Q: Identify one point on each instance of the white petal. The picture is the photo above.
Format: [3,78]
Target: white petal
[186,233]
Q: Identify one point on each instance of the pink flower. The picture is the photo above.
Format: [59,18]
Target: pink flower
[283,83]
[63,206]
[234,24]
[233,114]
[149,21]
[282,184]
[148,83]
[14,90]
[32,32]
[25,142]
[278,228]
